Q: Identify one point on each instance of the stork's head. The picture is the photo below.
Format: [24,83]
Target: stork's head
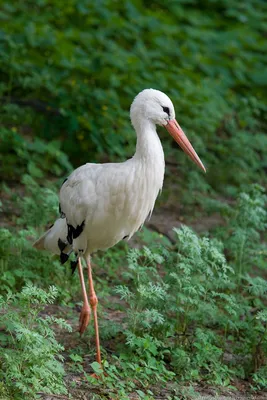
[157,107]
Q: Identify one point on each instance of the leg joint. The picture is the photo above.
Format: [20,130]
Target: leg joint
[93,300]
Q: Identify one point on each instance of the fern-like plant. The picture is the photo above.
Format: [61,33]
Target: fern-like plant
[30,356]
[190,298]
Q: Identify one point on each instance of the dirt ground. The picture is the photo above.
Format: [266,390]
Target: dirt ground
[164,219]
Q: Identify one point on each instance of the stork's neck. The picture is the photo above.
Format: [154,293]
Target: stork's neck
[148,146]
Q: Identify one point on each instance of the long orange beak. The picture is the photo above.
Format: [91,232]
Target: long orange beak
[179,136]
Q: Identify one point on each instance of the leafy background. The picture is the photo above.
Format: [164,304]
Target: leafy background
[69,71]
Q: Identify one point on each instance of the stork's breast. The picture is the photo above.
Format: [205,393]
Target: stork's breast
[124,200]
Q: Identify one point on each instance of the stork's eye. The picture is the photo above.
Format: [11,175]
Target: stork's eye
[166,110]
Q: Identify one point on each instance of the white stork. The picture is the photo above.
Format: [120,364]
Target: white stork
[101,204]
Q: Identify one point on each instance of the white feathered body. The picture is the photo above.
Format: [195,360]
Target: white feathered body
[113,200]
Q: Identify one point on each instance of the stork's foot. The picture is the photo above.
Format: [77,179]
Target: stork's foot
[84,318]
[100,375]
[95,376]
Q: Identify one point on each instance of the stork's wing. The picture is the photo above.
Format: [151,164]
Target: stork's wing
[78,197]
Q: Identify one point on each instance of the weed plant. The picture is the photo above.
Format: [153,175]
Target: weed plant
[20,263]
[30,356]
[196,311]
[202,313]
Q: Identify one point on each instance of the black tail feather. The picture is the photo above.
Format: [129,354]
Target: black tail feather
[73,265]
[61,245]
[63,257]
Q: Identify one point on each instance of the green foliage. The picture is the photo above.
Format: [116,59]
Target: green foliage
[30,356]
[67,74]
[19,261]
[192,314]
[20,155]
[38,206]
[245,225]
[137,368]
[207,314]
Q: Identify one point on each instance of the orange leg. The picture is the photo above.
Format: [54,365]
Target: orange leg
[93,302]
[86,310]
